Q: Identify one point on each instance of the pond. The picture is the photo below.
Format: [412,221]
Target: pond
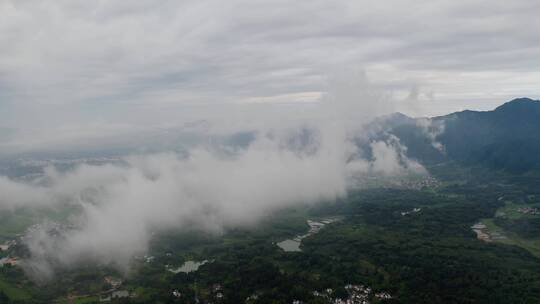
[292,245]
[289,245]
[188,266]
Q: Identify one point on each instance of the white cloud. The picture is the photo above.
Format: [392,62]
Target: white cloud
[122,205]
[78,60]
[209,189]
[432,129]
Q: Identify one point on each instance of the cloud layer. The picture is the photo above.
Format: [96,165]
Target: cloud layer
[121,205]
[70,61]
[210,187]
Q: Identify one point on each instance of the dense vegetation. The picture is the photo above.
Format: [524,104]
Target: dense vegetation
[430,256]
[416,245]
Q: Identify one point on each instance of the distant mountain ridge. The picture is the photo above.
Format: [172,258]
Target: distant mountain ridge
[506,138]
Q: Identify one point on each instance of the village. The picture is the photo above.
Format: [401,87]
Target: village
[9,258]
[529,210]
[5,257]
[8,254]
[414,210]
[400,182]
[357,294]
[428,182]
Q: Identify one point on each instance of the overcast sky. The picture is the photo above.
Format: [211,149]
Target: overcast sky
[63,62]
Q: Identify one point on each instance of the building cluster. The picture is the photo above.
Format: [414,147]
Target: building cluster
[113,282]
[8,260]
[117,294]
[52,228]
[5,246]
[419,184]
[529,210]
[357,294]
[383,295]
[114,292]
[13,261]
[149,258]
[315,227]
[415,210]
[255,296]
[216,293]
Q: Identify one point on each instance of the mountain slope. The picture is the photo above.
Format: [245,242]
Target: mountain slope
[506,138]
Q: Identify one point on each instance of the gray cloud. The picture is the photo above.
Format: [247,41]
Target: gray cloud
[82,60]
[122,205]
[291,159]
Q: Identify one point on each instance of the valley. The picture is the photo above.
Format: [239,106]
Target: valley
[397,241]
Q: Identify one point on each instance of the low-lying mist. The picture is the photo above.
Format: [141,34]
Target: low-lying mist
[207,187]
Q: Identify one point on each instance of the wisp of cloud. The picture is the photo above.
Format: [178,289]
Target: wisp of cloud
[209,188]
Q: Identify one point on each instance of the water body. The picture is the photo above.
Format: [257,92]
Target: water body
[293,245]
[188,266]
[290,245]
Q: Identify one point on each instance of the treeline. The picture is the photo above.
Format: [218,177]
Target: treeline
[430,256]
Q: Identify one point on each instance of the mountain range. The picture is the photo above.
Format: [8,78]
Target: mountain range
[506,138]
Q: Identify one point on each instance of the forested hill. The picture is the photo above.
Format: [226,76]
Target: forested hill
[506,138]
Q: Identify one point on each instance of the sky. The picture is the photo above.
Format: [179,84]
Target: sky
[72,62]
